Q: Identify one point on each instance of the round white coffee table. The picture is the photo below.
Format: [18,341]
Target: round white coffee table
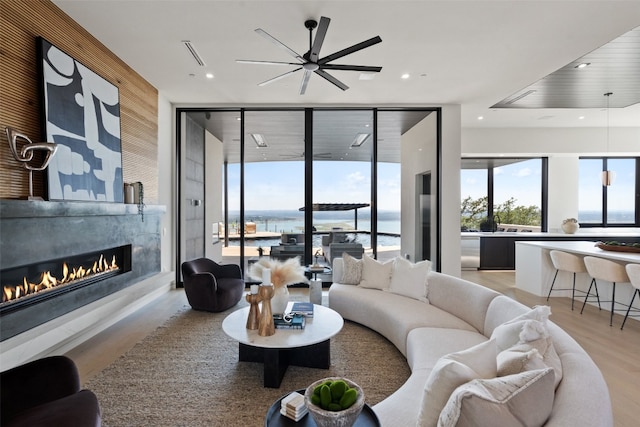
[308,347]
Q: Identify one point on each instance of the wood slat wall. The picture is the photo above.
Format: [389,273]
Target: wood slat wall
[20,23]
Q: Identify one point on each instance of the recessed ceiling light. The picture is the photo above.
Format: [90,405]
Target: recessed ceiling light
[582,65]
[405,76]
[261,142]
[581,118]
[480,118]
[209,75]
[360,139]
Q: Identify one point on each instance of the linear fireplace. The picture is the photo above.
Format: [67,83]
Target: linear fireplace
[29,284]
[39,238]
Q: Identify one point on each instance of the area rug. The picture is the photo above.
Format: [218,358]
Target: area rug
[187,373]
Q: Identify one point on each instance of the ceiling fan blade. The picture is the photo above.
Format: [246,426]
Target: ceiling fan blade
[321,32]
[305,81]
[281,45]
[331,79]
[251,61]
[363,68]
[349,50]
[288,73]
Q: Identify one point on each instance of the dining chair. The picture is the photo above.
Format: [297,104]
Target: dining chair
[565,261]
[633,271]
[609,271]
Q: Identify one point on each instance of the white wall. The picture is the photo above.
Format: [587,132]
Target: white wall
[563,147]
[551,141]
[414,162]
[166,181]
[450,231]
[213,194]
[417,156]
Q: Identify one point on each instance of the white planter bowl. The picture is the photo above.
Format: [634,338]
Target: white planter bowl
[324,418]
[570,227]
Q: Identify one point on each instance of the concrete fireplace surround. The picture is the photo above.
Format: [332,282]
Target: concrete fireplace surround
[37,231]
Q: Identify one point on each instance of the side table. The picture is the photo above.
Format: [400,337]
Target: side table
[315,285]
[274,418]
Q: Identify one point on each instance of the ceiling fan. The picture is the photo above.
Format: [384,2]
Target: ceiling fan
[311,62]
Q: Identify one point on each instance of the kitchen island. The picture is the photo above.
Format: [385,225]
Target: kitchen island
[534,270]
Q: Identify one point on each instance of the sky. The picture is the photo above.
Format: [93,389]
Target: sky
[280,185]
[522,181]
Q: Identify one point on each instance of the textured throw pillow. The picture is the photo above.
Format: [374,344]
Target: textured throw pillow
[450,372]
[508,334]
[530,355]
[351,270]
[519,358]
[519,339]
[409,279]
[525,399]
[375,274]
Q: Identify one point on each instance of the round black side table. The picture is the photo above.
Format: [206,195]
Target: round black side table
[274,418]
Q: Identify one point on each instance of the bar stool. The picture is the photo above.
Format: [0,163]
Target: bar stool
[633,271]
[564,261]
[610,271]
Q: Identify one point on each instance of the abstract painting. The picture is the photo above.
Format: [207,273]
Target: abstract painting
[81,113]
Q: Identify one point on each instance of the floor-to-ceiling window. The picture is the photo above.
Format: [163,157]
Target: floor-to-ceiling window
[280,164]
[342,181]
[608,206]
[500,194]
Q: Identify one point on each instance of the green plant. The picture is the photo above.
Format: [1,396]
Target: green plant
[334,395]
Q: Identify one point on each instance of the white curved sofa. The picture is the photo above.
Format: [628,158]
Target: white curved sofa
[459,315]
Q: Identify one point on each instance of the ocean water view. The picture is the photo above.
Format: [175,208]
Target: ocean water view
[291,221]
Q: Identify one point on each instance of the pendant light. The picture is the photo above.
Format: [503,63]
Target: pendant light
[608,176]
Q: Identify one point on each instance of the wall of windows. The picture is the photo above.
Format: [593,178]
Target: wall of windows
[500,194]
[608,206]
[280,165]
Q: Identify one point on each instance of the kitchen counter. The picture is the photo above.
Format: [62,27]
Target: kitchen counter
[535,271]
[497,251]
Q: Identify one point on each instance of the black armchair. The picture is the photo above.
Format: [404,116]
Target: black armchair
[46,392]
[210,286]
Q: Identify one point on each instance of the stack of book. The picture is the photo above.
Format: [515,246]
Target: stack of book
[289,321]
[293,406]
[305,308]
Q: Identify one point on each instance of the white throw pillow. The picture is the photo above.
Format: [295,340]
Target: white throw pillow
[351,270]
[375,275]
[450,372]
[522,335]
[409,279]
[525,399]
[508,334]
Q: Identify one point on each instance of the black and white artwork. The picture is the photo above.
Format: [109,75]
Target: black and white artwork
[82,116]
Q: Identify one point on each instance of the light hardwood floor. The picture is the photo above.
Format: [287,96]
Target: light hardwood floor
[616,352]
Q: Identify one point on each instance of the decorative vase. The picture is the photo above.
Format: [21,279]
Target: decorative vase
[570,227]
[280,300]
[326,418]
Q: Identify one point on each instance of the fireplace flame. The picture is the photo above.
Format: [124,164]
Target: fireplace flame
[48,280]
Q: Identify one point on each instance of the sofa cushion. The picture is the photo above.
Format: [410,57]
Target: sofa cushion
[376,274]
[409,279]
[450,372]
[524,399]
[391,315]
[463,299]
[351,270]
[426,345]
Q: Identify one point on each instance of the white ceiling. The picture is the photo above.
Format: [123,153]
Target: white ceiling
[473,53]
